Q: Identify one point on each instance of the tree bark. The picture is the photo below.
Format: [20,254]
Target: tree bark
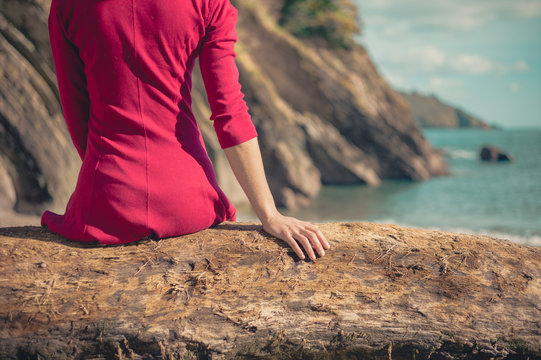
[232,291]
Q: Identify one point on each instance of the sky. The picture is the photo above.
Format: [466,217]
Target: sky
[483,56]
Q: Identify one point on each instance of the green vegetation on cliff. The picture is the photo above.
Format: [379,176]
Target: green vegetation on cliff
[332,20]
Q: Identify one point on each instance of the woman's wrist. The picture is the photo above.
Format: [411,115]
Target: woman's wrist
[266,216]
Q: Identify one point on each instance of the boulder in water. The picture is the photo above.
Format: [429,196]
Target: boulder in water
[492,153]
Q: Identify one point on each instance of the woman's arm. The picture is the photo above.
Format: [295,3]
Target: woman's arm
[72,84]
[237,134]
[245,160]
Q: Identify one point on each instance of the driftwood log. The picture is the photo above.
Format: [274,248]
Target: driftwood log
[382,291]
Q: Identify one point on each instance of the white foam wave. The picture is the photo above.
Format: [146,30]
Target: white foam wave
[456,153]
[532,240]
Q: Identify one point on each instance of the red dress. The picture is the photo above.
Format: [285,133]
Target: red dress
[124,75]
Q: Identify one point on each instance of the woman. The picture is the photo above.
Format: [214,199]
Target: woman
[124,76]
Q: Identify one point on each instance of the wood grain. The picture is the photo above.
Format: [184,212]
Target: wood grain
[232,291]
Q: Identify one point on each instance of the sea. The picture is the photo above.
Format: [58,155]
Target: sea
[499,199]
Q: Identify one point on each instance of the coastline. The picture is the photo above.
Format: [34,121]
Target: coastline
[533,240]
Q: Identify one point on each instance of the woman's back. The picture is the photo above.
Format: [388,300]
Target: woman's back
[124,73]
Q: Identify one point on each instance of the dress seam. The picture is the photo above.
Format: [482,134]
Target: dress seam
[211,3]
[90,210]
[141,115]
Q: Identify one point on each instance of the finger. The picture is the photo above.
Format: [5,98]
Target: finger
[315,241]
[293,244]
[306,244]
[321,237]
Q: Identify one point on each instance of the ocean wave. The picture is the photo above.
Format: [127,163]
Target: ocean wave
[532,240]
[456,153]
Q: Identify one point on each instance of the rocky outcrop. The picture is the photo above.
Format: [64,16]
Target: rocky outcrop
[381,292]
[324,115]
[38,166]
[493,153]
[431,112]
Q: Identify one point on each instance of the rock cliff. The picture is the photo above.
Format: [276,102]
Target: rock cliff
[431,112]
[38,166]
[233,292]
[324,115]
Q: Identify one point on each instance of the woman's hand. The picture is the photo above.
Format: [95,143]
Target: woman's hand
[295,232]
[245,160]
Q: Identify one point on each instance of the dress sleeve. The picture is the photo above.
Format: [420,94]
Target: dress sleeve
[72,85]
[231,120]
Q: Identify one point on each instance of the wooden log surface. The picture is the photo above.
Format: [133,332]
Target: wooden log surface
[232,291]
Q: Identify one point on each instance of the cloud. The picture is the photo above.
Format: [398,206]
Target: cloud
[514,87]
[527,9]
[521,65]
[420,59]
[390,15]
[440,84]
[396,80]
[430,59]
[472,64]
